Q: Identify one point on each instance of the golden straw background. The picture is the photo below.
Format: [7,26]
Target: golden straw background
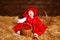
[7,23]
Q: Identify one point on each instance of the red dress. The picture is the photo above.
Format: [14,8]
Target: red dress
[38,27]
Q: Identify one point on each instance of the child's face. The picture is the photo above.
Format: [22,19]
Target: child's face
[30,13]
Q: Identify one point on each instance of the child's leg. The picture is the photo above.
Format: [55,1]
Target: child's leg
[17,33]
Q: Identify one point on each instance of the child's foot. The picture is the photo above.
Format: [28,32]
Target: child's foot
[35,38]
[15,34]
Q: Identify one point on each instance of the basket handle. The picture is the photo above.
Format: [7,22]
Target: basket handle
[28,24]
[46,15]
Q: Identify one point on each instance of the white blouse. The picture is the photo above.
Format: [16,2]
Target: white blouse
[22,20]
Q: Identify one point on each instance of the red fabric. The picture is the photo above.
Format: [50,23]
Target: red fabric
[38,26]
[17,27]
[26,26]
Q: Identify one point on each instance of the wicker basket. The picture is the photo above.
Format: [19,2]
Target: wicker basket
[27,33]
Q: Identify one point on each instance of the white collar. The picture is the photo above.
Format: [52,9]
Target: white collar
[32,17]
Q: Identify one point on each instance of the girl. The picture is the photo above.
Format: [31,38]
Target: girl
[30,16]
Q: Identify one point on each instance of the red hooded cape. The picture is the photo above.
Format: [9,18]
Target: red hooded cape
[38,27]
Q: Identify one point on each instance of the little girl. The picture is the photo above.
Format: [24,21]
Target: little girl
[30,16]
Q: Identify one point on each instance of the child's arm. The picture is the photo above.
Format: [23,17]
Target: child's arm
[21,20]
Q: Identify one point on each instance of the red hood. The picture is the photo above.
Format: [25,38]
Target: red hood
[30,8]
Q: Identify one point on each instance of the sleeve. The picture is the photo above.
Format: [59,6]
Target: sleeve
[22,20]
